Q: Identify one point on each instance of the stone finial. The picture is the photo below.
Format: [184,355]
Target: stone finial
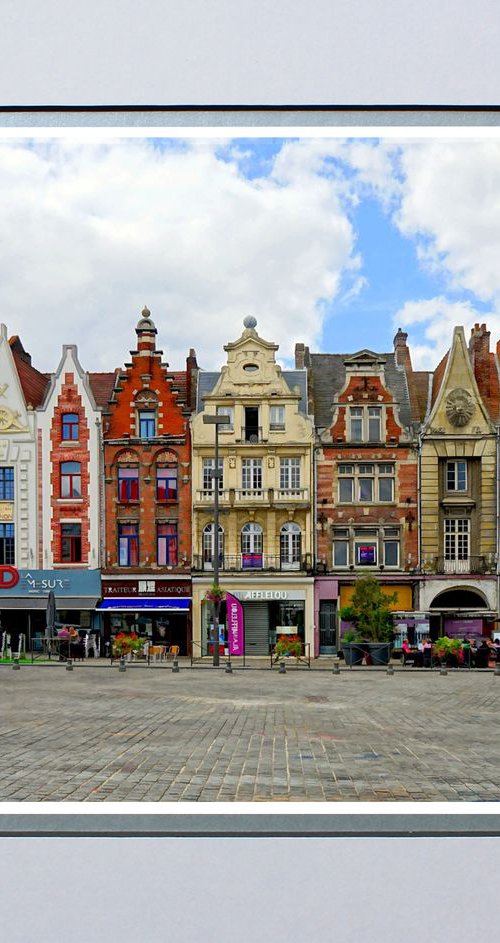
[250,322]
[145,313]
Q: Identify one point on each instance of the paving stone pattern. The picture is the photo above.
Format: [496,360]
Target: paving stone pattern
[202,735]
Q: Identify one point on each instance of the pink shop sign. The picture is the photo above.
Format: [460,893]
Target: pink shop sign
[235,625]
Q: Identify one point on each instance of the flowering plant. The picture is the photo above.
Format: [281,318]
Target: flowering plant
[215,593]
[288,645]
[447,646]
[126,642]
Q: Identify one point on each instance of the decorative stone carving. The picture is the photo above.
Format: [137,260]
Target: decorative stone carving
[128,457]
[270,461]
[166,456]
[9,420]
[459,407]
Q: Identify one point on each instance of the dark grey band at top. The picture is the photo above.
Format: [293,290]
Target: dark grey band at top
[279,825]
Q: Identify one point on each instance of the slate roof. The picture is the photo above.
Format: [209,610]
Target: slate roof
[207,380]
[328,378]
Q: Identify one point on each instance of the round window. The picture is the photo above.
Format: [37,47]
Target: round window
[250,367]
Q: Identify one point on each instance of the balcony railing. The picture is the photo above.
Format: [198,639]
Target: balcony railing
[291,494]
[206,495]
[251,434]
[470,566]
[249,562]
[244,495]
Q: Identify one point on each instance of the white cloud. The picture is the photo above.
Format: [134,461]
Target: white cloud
[91,232]
[435,319]
[451,206]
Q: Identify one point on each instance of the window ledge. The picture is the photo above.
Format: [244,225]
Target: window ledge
[65,501]
[70,442]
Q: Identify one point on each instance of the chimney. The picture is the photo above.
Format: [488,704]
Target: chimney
[302,356]
[479,352]
[191,371]
[401,350]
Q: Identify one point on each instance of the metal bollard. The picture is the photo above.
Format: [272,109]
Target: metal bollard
[69,665]
[443,670]
[282,669]
[122,666]
[15,665]
[336,667]
[497,671]
[390,670]
[229,668]
[175,666]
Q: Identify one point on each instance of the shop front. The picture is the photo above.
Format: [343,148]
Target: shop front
[407,623]
[458,608]
[156,608]
[23,602]
[270,609]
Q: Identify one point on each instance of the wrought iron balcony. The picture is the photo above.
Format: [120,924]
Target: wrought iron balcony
[251,562]
[473,565]
[251,435]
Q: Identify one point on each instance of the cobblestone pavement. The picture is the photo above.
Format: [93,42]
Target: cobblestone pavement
[151,734]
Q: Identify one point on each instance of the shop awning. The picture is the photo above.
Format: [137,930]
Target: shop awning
[40,602]
[152,603]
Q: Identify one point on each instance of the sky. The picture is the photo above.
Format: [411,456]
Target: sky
[333,242]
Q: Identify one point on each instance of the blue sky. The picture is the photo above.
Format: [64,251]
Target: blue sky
[333,242]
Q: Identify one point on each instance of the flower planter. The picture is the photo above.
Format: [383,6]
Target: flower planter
[380,652]
[354,652]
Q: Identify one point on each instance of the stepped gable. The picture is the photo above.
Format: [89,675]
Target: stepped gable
[329,376]
[34,384]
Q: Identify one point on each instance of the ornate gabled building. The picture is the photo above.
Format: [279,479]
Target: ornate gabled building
[265,493]
[459,490]
[366,465]
[147,482]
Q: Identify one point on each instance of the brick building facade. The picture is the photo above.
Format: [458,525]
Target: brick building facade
[147,486]
[366,469]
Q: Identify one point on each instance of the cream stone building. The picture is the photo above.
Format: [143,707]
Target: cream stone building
[458,490]
[265,494]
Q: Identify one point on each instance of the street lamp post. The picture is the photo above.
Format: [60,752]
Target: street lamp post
[216,421]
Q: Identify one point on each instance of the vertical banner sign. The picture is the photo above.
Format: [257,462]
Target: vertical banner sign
[235,625]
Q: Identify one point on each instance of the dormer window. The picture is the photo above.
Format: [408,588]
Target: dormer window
[365,423]
[147,424]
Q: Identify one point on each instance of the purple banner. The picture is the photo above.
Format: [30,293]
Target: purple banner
[235,625]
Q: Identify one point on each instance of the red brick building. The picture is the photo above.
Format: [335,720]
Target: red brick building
[147,483]
[367,411]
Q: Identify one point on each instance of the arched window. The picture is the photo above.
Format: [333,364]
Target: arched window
[209,546]
[290,546]
[252,546]
[71,480]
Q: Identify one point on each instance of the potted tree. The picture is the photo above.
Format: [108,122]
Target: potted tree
[371,618]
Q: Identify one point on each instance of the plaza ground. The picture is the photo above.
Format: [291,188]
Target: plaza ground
[149,734]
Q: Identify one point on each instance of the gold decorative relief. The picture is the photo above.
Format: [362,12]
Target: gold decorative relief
[6,511]
[9,421]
